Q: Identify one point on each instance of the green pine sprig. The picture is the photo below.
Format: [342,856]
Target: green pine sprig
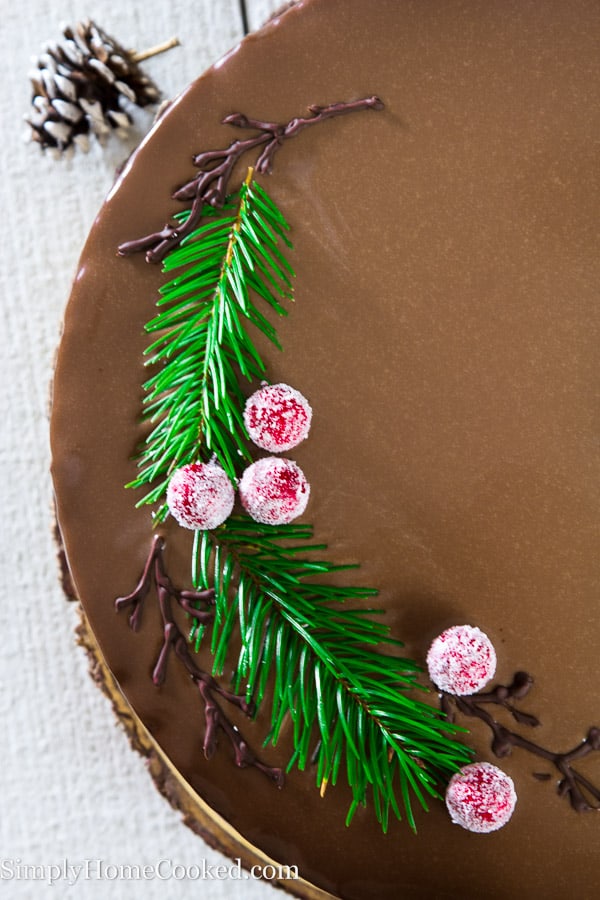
[334,670]
[219,275]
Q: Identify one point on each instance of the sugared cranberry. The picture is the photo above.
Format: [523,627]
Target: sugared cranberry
[274,491]
[461,660]
[200,495]
[277,417]
[481,797]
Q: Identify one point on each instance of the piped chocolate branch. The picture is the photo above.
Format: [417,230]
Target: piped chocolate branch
[572,784]
[210,185]
[155,575]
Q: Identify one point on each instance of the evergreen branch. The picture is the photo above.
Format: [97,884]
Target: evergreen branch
[203,345]
[335,671]
[210,186]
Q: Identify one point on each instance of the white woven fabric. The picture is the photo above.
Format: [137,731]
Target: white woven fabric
[71,789]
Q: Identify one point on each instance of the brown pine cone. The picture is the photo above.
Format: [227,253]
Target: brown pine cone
[82,86]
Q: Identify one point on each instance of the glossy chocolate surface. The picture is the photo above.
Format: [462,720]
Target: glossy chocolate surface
[445,333]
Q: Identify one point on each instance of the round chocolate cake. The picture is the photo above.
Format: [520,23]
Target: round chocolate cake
[443,216]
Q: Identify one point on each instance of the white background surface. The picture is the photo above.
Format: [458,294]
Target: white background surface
[70,787]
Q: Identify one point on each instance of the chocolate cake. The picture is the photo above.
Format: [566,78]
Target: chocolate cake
[445,251]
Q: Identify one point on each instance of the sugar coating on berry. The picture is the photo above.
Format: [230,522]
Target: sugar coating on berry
[274,491]
[277,417]
[200,495]
[481,797]
[461,660]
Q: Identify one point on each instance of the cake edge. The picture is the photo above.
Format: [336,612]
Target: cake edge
[196,814]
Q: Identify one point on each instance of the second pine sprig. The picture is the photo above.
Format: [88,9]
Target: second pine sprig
[334,669]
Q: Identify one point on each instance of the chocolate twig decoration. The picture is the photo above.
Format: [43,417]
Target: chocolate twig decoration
[572,784]
[210,185]
[154,574]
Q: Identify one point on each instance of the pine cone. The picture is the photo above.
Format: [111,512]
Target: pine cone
[81,86]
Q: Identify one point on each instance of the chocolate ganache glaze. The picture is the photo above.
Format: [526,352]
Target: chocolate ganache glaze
[444,331]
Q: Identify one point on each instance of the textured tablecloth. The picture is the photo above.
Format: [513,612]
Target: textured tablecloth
[71,790]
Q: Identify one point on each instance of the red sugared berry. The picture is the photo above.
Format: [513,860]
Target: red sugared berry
[277,417]
[200,495]
[274,491]
[481,797]
[461,660]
